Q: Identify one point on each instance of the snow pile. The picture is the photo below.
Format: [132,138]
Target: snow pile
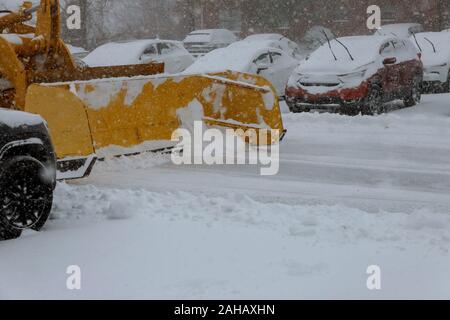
[326,224]
[144,161]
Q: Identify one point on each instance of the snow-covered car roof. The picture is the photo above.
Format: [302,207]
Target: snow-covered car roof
[210,36]
[402,30]
[431,41]
[264,36]
[257,44]
[363,49]
[121,53]
[235,58]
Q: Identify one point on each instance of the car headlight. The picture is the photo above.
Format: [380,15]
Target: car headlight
[353,75]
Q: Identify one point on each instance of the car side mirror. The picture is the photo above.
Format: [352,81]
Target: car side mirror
[389,61]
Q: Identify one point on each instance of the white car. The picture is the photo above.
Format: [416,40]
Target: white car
[277,41]
[272,63]
[400,30]
[200,42]
[172,53]
[435,49]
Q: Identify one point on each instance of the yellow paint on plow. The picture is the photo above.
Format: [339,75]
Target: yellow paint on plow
[128,112]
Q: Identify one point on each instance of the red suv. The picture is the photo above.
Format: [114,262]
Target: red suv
[357,74]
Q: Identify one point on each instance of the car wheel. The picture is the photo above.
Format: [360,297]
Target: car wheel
[373,103]
[349,110]
[446,88]
[297,109]
[415,95]
[26,196]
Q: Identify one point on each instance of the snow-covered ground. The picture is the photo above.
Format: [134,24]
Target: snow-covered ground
[351,192]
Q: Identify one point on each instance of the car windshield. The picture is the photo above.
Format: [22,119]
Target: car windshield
[433,42]
[360,49]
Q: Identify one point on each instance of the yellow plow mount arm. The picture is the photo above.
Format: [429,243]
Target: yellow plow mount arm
[120,116]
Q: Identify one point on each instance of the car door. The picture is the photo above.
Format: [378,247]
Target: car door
[411,64]
[280,70]
[390,71]
[166,54]
[264,67]
[149,54]
[403,66]
[182,57]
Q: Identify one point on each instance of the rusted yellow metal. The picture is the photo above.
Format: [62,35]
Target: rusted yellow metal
[69,125]
[130,115]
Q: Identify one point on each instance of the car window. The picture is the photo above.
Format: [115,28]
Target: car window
[276,56]
[387,49]
[405,50]
[402,50]
[399,47]
[164,48]
[150,50]
[262,59]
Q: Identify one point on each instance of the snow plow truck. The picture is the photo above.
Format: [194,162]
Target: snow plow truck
[119,110]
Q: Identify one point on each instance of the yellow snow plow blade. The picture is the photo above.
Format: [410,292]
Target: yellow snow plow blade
[119,116]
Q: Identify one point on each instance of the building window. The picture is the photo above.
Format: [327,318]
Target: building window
[341,13]
[231,19]
[388,13]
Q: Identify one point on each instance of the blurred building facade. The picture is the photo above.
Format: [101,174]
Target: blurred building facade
[110,20]
[293,17]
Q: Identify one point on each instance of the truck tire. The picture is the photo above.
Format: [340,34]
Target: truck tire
[26,196]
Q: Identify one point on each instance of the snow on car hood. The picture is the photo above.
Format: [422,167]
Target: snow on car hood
[116,54]
[15,119]
[198,38]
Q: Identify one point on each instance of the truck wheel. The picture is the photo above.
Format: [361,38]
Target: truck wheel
[373,103]
[8,233]
[26,196]
[415,94]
